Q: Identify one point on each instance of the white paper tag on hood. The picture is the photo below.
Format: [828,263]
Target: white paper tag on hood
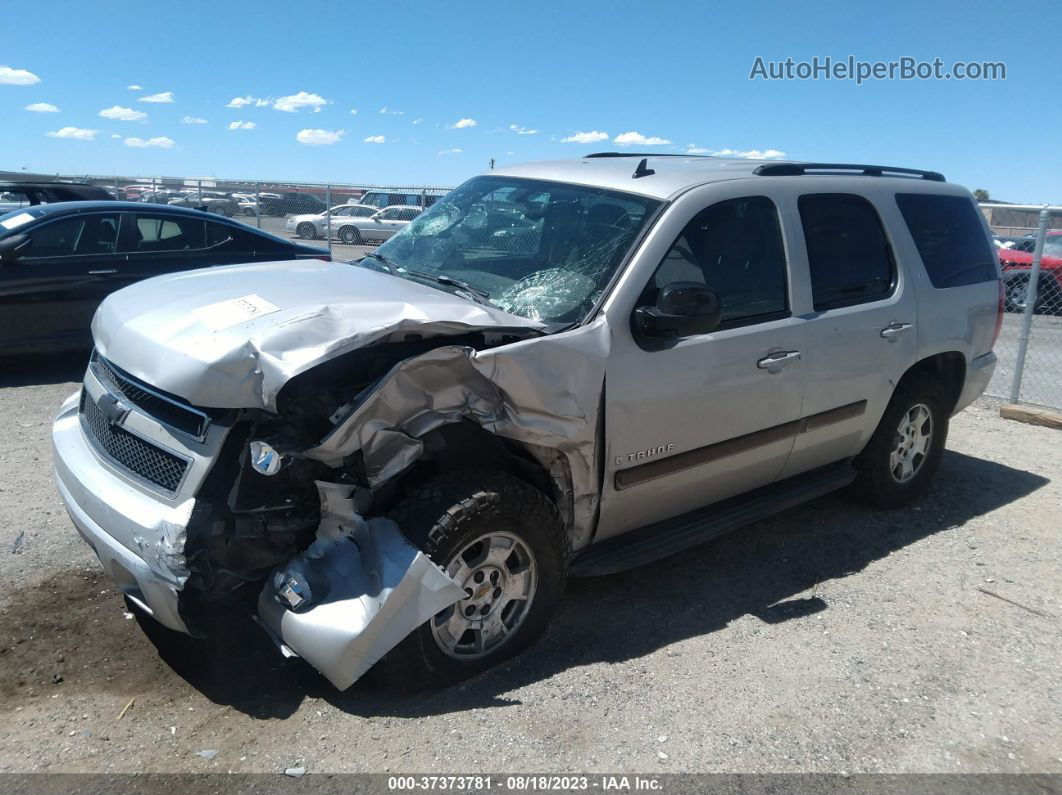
[226,314]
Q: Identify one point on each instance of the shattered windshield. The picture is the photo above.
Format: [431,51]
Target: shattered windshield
[541,250]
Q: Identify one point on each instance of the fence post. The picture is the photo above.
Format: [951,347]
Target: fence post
[1031,294]
[117,193]
[200,183]
[258,205]
[328,218]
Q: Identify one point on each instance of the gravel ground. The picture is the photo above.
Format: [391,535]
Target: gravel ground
[832,638]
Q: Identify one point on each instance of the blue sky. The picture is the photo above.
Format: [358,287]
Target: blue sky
[670,71]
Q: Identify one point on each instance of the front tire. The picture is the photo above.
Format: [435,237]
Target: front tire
[306,231]
[898,463]
[504,542]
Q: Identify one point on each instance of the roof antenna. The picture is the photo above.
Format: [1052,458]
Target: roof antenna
[643,169]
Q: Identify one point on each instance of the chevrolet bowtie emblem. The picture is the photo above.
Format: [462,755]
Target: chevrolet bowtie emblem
[112,408]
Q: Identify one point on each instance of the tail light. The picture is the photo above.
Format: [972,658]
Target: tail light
[999,316]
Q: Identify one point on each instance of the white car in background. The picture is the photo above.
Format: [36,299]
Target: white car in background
[376,228]
[315,225]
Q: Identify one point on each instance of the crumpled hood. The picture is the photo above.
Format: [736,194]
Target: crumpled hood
[231,337]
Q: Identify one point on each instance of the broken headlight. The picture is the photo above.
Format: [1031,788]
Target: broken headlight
[265,459]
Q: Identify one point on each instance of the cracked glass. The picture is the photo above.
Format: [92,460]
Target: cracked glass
[541,250]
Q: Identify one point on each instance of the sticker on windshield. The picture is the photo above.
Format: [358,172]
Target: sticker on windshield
[226,314]
[16,220]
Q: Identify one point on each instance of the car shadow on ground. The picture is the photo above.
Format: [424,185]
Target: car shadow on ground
[768,570]
[49,368]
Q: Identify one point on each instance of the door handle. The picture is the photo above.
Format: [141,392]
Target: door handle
[776,361]
[104,272]
[894,330]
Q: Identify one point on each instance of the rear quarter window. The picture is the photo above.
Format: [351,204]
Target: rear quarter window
[950,239]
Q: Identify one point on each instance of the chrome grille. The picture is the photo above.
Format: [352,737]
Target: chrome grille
[128,451]
[170,412]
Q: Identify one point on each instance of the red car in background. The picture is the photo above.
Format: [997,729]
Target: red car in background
[1017,266]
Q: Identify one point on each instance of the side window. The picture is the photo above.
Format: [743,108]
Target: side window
[388,215]
[734,247]
[83,234]
[949,238]
[850,258]
[216,234]
[407,215]
[168,233]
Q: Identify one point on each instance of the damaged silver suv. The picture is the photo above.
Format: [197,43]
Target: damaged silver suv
[559,368]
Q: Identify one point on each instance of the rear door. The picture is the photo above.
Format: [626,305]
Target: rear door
[861,322]
[48,297]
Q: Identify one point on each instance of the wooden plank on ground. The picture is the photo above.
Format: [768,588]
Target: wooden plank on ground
[1032,415]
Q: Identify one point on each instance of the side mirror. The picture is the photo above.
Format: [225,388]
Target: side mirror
[682,310]
[13,248]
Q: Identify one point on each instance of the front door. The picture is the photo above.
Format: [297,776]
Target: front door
[696,420]
[48,297]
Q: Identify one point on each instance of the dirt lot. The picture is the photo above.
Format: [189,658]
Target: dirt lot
[831,638]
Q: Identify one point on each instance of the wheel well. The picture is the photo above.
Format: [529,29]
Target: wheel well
[945,369]
[467,445]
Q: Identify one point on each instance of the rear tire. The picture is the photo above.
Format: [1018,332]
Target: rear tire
[512,591]
[898,463]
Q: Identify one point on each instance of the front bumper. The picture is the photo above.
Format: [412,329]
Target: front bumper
[978,374]
[138,538]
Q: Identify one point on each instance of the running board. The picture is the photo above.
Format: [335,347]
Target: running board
[662,539]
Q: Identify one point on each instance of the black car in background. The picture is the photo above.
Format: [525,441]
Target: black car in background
[59,261]
[290,202]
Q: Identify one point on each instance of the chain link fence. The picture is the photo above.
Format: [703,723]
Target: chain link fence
[1029,245]
[343,218]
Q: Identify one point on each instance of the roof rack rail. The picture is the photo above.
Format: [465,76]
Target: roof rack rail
[798,169]
[640,154]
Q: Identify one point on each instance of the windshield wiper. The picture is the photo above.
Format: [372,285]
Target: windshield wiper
[478,295]
[392,268]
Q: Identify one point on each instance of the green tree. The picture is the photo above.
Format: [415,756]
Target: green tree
[981,195]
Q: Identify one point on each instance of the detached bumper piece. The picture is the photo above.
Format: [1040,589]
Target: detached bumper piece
[354,594]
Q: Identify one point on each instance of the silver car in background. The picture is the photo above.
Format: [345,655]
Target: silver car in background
[375,228]
[313,226]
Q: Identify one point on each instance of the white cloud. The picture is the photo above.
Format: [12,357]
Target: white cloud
[42,107]
[417,120]
[450,152]
[245,101]
[135,87]
[193,120]
[17,77]
[751,154]
[162,96]
[386,111]
[585,137]
[292,103]
[516,128]
[461,124]
[375,139]
[628,138]
[161,142]
[353,111]
[241,125]
[74,132]
[319,137]
[118,113]
[115,135]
